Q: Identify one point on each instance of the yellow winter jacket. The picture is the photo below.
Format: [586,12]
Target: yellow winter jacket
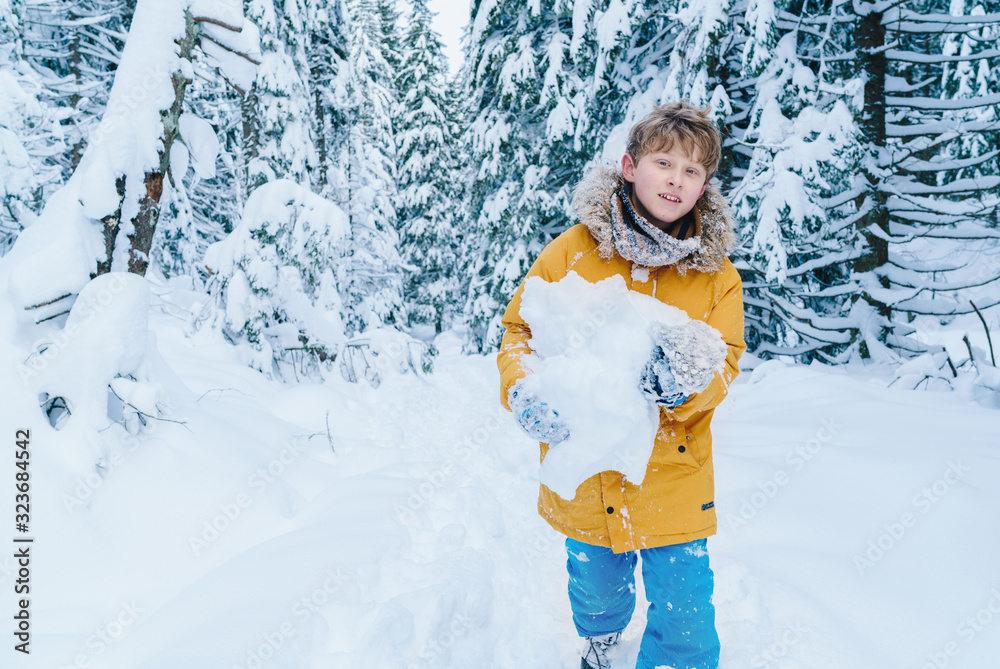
[675,502]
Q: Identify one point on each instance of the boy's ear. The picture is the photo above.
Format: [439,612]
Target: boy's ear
[703,189]
[628,168]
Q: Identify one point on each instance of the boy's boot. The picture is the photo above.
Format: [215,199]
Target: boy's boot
[595,655]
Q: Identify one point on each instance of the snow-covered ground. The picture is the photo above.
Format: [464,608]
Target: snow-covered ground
[337,525]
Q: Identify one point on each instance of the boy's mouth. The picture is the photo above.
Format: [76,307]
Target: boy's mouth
[670,198]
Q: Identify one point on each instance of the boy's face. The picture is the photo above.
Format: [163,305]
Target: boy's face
[666,184]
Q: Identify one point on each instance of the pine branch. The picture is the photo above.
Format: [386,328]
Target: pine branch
[929,59]
[219,44]
[988,339]
[217,22]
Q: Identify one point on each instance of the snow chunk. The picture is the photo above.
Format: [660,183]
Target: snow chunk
[590,343]
[240,54]
[179,159]
[202,143]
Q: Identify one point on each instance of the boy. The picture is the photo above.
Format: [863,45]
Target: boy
[660,225]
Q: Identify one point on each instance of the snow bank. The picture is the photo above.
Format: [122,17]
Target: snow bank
[590,343]
[105,337]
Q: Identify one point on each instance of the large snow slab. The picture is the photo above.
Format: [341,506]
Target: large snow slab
[590,343]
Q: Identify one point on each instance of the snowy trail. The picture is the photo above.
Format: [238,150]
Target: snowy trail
[413,540]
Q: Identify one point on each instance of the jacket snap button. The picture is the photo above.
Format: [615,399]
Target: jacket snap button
[611,509]
[681,449]
[688,437]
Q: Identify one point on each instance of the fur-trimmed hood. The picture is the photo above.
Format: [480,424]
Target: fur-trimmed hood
[593,200]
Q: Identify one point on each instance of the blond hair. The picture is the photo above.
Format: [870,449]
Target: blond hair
[677,123]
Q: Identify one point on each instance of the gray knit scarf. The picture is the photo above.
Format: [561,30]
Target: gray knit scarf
[641,242]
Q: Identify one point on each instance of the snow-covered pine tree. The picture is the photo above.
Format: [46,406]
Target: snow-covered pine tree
[105,216]
[392,36]
[202,207]
[391,46]
[974,73]
[890,250]
[604,35]
[29,131]
[802,147]
[328,52]
[699,68]
[373,294]
[204,201]
[304,278]
[531,133]
[278,106]
[268,132]
[76,46]
[429,183]
[502,224]
[911,263]
[275,279]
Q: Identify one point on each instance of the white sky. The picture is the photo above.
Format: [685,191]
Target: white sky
[452,17]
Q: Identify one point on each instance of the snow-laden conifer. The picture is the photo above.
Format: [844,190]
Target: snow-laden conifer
[430,191]
[884,243]
[279,104]
[531,133]
[105,216]
[275,278]
[30,134]
[75,46]
[803,152]
[328,53]
[694,71]
[975,74]
[373,295]
[206,200]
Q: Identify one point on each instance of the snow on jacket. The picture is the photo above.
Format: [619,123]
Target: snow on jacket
[675,502]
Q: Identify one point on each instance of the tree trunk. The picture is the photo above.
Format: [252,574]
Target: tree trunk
[320,138]
[251,134]
[111,223]
[76,153]
[870,41]
[144,223]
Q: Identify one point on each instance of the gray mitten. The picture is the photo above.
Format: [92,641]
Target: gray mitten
[535,417]
[658,383]
[690,353]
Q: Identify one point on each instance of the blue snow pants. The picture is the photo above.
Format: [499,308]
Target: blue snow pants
[680,623]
